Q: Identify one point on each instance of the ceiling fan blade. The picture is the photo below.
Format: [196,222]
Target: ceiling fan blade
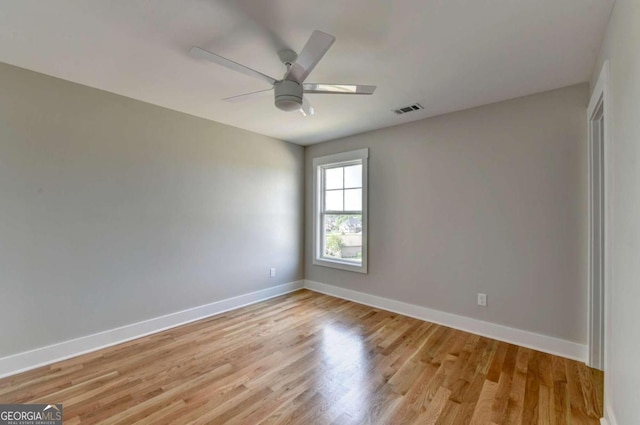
[227,63]
[247,96]
[338,88]
[313,51]
[306,109]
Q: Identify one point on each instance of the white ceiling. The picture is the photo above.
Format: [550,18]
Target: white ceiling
[447,55]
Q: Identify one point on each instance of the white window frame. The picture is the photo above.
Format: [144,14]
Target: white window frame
[320,163]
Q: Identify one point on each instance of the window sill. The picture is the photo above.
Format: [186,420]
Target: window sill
[341,265]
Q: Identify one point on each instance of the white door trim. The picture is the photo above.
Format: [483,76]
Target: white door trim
[598,116]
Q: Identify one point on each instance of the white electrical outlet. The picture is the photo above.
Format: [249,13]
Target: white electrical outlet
[272,272]
[482,299]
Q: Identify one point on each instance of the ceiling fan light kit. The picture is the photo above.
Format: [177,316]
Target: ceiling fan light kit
[288,95]
[289,91]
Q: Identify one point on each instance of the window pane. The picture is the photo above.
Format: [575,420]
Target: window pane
[353,176]
[353,200]
[333,200]
[342,237]
[333,178]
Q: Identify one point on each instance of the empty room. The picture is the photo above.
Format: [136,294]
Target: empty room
[336,213]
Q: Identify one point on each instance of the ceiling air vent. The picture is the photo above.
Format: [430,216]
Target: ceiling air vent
[410,108]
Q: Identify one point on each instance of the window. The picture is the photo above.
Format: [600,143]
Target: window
[340,210]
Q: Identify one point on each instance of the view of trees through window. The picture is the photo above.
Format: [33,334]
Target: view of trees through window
[343,236]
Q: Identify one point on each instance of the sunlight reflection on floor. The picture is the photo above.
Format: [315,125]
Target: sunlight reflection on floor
[346,356]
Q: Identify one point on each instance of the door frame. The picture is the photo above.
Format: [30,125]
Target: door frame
[599,240]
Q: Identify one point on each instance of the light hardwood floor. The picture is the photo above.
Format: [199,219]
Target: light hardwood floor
[307,358]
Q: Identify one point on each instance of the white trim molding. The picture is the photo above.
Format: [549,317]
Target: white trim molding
[43,356]
[599,122]
[609,418]
[320,163]
[547,344]
[601,96]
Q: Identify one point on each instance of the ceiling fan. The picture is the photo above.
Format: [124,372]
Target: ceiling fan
[289,91]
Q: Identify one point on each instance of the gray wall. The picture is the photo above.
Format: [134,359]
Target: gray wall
[622,368]
[113,211]
[491,199]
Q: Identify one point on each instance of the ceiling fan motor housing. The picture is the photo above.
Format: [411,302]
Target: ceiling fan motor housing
[288,95]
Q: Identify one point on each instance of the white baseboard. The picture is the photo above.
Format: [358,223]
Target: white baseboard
[32,359]
[609,418]
[527,339]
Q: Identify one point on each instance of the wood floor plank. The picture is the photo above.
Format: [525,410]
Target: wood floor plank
[501,399]
[449,414]
[532,391]
[482,411]
[308,358]
[435,408]
[515,406]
